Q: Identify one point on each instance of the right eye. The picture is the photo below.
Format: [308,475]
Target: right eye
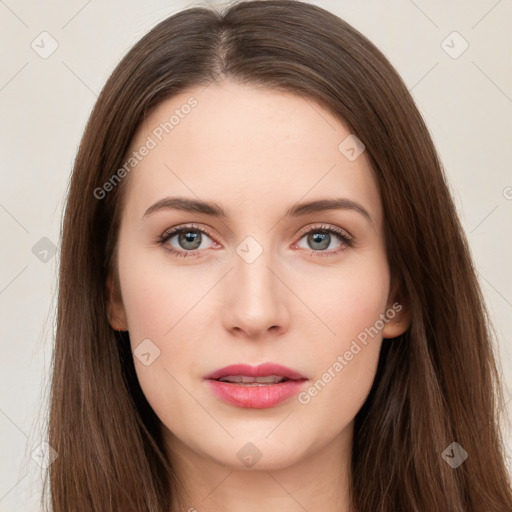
[189,240]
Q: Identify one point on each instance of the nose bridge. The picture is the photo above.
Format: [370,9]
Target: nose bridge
[255,294]
[252,273]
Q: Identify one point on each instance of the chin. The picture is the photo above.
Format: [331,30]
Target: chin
[259,455]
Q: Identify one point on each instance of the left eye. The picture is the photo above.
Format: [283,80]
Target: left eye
[320,239]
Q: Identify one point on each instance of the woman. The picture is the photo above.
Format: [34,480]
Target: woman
[266,298]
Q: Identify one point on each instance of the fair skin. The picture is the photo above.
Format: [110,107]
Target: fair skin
[255,152]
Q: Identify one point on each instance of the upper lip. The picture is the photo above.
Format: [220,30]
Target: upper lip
[262,370]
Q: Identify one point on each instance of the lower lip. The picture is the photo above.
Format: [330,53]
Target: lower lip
[255,397]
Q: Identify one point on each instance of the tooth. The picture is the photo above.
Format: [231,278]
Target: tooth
[232,378]
[271,379]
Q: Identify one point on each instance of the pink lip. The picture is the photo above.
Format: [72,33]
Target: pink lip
[255,397]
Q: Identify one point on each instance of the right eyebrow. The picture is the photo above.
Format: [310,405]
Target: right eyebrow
[186,205]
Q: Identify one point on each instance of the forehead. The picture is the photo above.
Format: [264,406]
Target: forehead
[246,146]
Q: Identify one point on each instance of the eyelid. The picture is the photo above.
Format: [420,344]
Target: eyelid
[182,227]
[324,227]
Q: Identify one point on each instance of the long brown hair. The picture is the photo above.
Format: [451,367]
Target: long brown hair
[437,384]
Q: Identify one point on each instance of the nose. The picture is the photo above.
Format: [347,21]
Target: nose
[255,298]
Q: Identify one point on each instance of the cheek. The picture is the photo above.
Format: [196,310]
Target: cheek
[349,301]
[166,306]
[154,297]
[157,301]
[347,354]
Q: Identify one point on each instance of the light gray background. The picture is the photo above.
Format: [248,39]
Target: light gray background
[44,103]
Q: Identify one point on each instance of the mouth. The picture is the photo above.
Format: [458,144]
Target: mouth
[267,373]
[256,387]
[254,381]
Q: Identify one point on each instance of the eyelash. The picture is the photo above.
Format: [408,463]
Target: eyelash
[343,237]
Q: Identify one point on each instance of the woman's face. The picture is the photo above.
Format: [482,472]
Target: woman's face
[256,277]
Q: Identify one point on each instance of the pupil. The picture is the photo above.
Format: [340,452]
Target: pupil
[323,238]
[189,237]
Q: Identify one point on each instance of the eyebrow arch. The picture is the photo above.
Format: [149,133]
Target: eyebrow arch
[298,210]
[186,205]
[328,204]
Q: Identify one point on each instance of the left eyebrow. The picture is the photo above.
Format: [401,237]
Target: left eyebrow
[328,204]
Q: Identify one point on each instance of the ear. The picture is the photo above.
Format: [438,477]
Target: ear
[398,313]
[115,308]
